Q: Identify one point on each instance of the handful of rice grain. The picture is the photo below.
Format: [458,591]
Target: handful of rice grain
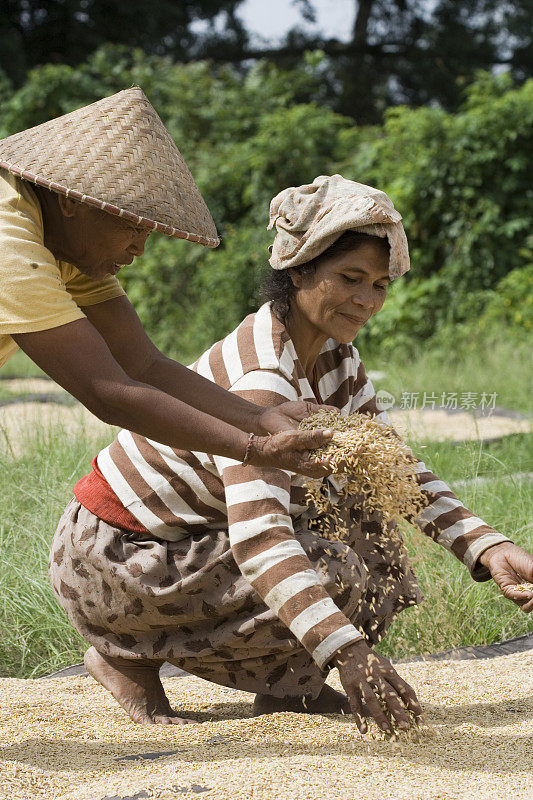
[378,466]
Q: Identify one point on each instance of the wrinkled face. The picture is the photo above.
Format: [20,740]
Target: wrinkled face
[344,292]
[103,243]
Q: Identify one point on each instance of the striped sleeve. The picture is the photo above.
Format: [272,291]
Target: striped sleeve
[263,542]
[445,519]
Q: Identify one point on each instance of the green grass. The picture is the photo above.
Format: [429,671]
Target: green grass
[55,393]
[502,366]
[20,366]
[458,611]
[6,393]
[37,637]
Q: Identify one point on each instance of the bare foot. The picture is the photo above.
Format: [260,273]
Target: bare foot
[135,685]
[329,701]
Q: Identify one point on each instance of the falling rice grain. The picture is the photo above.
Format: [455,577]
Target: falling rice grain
[372,463]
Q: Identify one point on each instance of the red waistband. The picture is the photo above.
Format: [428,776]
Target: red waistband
[97,496]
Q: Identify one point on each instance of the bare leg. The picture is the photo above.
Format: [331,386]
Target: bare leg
[135,685]
[329,701]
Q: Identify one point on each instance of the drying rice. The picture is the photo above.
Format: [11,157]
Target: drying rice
[67,739]
[372,463]
[523,587]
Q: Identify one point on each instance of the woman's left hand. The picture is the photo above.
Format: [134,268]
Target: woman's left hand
[286,416]
[510,565]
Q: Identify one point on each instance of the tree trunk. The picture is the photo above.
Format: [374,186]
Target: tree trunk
[360,27]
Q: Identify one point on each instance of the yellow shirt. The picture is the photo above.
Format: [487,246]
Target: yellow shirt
[37,292]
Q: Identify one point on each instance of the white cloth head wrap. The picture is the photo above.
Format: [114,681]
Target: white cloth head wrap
[309,218]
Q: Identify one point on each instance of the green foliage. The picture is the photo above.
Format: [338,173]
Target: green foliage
[511,304]
[55,89]
[460,181]
[400,51]
[232,285]
[6,89]
[503,312]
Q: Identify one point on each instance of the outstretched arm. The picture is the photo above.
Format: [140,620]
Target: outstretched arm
[119,325]
[77,357]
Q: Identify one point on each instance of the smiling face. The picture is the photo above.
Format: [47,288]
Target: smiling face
[99,243]
[343,293]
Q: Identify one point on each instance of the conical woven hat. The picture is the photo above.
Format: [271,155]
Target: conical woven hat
[117,155]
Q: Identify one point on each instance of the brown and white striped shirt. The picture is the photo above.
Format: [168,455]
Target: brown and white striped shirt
[176,493]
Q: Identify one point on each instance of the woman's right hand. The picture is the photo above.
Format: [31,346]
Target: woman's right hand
[367,676]
[290,450]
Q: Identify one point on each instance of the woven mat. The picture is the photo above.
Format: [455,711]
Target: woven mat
[67,738]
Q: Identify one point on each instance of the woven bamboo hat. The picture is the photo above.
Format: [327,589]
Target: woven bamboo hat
[116,155]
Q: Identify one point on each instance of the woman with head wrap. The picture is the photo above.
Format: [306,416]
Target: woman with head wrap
[214,565]
[79,196]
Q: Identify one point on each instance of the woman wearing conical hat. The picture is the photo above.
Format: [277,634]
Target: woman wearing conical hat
[79,196]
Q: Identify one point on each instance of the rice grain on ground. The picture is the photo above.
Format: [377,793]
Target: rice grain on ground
[67,738]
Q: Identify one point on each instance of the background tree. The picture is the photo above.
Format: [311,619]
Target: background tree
[413,52]
[460,179]
[34,32]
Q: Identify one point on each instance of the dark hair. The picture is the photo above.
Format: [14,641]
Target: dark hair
[279,288]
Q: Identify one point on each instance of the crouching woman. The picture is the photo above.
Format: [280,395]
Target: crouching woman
[217,566]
